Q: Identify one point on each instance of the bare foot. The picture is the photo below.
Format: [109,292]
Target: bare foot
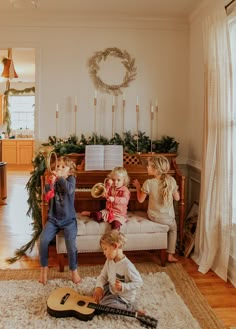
[141,312]
[75,277]
[171,258]
[85,213]
[43,275]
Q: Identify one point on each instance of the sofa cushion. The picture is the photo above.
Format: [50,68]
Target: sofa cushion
[137,223]
[142,234]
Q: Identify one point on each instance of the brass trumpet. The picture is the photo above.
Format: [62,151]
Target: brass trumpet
[50,157]
[99,189]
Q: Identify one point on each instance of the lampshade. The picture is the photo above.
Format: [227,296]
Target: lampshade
[8,69]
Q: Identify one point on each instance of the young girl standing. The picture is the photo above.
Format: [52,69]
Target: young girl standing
[60,192]
[162,190]
[117,197]
[119,279]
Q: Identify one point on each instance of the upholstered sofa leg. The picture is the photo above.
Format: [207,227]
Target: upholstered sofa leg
[163,257]
[61,262]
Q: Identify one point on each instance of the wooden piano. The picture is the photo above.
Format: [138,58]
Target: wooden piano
[136,167]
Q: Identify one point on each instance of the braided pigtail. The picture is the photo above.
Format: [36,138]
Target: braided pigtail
[165,195]
[162,165]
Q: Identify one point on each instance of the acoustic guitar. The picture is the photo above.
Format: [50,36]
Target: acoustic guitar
[64,302]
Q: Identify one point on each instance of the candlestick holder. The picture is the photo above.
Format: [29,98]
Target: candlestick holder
[56,130]
[137,124]
[57,118]
[151,127]
[137,143]
[113,119]
[123,117]
[156,110]
[75,112]
[95,119]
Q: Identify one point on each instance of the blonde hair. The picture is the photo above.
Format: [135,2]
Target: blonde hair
[162,165]
[113,237]
[120,171]
[69,163]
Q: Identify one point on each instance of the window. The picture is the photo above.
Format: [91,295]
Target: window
[22,112]
[233,54]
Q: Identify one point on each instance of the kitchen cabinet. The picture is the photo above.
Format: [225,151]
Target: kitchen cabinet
[1,109]
[9,151]
[25,151]
[17,151]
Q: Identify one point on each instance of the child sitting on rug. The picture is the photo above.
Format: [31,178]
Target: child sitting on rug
[117,195]
[119,279]
[162,190]
[60,193]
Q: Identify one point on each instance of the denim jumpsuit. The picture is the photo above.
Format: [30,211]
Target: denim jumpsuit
[61,216]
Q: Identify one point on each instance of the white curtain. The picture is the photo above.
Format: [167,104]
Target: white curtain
[212,243]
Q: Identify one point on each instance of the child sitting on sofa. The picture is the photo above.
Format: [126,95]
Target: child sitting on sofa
[60,193]
[117,197]
[162,190]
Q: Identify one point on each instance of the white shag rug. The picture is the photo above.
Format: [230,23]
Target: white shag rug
[23,305]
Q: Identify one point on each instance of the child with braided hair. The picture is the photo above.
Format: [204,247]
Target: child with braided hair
[162,190]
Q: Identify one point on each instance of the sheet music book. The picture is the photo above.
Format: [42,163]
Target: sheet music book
[103,157]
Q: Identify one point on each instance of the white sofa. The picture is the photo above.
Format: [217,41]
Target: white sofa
[141,234]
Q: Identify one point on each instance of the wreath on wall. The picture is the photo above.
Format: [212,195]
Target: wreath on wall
[126,60]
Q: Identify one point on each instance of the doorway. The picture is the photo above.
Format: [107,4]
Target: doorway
[19,108]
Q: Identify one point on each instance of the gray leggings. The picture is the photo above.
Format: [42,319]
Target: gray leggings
[172,233]
[115,301]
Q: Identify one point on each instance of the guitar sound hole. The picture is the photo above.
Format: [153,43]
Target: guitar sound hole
[81,303]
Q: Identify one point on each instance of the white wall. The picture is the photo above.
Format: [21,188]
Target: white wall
[161,51]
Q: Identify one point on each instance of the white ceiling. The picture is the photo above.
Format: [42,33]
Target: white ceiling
[124,8]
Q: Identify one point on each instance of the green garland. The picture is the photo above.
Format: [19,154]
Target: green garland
[166,144]
[7,115]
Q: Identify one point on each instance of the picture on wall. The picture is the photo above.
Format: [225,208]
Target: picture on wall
[190,225]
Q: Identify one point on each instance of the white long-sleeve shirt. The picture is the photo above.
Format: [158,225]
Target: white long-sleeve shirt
[124,271]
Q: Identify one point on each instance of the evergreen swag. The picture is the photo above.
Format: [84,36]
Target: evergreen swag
[166,144]
[14,92]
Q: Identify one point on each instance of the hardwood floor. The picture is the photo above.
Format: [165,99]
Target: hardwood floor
[15,231]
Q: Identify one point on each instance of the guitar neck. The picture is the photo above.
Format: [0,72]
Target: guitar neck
[147,321]
[112,310]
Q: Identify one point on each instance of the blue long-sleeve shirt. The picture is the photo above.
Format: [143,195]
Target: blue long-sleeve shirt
[61,206]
